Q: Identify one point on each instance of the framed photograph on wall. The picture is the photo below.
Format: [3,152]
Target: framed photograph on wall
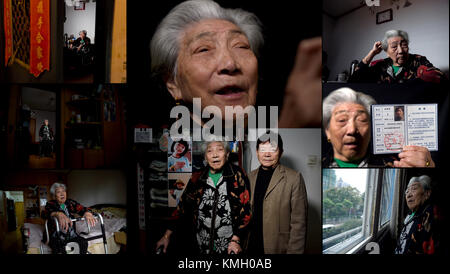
[384,16]
[79,6]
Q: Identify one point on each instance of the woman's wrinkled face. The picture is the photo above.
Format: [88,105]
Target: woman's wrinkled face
[349,131]
[216,156]
[60,195]
[415,196]
[397,50]
[268,154]
[215,62]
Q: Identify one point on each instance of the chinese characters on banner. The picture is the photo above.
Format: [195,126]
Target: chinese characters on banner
[39,36]
[8,29]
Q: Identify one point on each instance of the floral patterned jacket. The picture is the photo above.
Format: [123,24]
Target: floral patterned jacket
[420,233]
[381,71]
[214,213]
[72,206]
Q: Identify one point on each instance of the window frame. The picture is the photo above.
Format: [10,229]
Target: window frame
[395,191]
[356,241]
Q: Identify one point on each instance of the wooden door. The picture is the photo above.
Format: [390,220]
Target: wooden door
[33,130]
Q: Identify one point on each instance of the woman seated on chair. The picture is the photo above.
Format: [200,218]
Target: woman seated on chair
[64,210]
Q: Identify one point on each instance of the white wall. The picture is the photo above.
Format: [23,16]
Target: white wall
[299,146]
[40,116]
[77,20]
[17,196]
[352,36]
[90,187]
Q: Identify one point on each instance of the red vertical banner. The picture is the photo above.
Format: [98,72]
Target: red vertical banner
[39,36]
[7,23]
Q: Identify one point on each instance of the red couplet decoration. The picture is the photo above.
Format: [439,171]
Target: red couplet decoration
[7,23]
[39,36]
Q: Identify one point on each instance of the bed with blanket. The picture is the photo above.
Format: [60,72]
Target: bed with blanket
[114,218]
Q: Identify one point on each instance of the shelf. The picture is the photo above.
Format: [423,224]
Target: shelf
[83,124]
[86,149]
[76,103]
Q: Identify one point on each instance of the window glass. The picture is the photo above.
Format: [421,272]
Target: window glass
[387,196]
[343,208]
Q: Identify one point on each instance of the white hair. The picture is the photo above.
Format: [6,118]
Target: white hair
[164,45]
[55,186]
[344,95]
[393,33]
[424,180]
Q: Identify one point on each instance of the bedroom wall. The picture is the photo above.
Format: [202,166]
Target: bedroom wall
[90,187]
[353,35]
[297,155]
[78,20]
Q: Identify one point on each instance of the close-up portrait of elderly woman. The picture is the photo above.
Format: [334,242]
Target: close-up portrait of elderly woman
[202,50]
[418,234]
[65,209]
[347,125]
[399,66]
[214,210]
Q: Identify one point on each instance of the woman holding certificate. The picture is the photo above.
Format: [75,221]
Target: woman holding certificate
[347,124]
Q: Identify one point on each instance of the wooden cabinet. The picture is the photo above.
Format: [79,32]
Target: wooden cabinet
[35,199]
[93,128]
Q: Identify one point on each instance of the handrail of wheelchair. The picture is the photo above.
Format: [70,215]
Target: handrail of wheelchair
[46,231]
[56,223]
[102,226]
[96,215]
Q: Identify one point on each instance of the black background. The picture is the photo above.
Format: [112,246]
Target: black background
[285,24]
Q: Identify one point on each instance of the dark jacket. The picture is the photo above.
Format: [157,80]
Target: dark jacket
[381,71]
[74,209]
[420,234]
[197,190]
[46,134]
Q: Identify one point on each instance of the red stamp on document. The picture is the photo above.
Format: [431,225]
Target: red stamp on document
[394,141]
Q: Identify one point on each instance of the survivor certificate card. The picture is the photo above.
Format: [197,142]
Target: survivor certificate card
[396,126]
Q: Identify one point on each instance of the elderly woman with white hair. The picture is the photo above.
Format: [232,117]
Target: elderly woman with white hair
[82,42]
[202,50]
[419,233]
[400,65]
[214,210]
[64,210]
[347,124]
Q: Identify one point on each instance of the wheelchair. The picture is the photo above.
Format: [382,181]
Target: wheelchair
[69,246]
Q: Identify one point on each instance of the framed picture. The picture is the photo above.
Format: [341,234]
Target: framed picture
[384,16]
[79,6]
